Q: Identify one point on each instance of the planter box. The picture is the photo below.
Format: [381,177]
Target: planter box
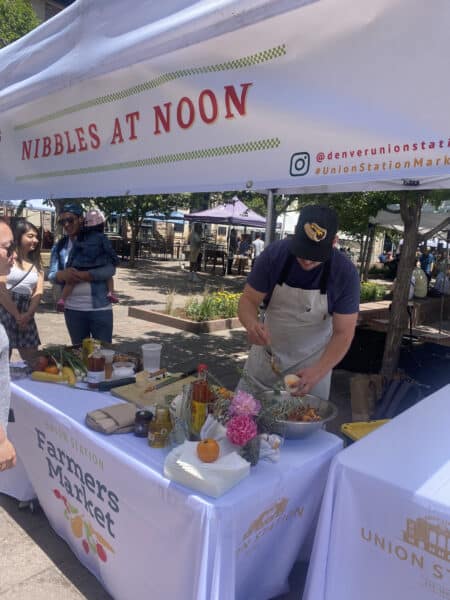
[184,324]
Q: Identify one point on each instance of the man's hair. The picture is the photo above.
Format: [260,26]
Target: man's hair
[257,235]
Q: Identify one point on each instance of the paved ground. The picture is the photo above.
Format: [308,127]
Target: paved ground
[35,563]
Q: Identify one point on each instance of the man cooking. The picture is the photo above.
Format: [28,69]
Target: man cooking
[311,292]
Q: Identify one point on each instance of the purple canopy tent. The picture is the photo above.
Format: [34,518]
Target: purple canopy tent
[232,213]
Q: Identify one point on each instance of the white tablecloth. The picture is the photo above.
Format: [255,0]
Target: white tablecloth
[144,536]
[384,528]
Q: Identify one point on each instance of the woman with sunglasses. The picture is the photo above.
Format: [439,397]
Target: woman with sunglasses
[88,311]
[21,292]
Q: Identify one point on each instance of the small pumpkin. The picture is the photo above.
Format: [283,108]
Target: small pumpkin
[53,369]
[208,450]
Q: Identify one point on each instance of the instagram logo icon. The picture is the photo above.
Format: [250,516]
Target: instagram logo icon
[299,164]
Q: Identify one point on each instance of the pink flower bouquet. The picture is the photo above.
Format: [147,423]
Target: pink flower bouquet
[241,429]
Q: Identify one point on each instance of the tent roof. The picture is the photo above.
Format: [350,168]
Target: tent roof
[189,95]
[231,213]
[175,217]
[430,218]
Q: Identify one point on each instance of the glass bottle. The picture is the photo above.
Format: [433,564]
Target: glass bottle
[200,399]
[159,428]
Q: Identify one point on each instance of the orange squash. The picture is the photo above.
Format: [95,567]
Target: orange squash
[77,526]
[208,450]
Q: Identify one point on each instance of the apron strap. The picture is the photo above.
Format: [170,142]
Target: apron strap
[325,277]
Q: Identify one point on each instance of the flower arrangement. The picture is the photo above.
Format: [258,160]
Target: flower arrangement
[239,413]
[241,427]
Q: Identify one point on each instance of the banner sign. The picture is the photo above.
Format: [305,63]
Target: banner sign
[320,97]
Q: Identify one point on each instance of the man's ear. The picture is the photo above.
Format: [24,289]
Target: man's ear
[336,240]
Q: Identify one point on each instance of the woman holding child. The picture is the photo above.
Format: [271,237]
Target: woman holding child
[83,262]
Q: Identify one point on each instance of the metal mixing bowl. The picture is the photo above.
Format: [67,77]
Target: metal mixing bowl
[297,430]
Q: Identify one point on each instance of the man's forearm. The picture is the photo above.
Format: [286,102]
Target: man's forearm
[247,312]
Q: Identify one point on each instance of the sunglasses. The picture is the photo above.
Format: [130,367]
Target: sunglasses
[10,249]
[67,221]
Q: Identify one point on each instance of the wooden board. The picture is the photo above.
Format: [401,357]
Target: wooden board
[135,393]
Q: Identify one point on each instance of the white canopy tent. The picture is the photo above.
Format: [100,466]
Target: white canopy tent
[109,98]
[430,219]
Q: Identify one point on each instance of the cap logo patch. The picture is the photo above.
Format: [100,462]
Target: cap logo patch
[314,232]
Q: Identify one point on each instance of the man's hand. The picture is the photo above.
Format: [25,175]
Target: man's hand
[7,453]
[309,377]
[258,334]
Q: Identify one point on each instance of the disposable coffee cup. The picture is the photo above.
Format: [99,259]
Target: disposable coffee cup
[151,357]
[108,356]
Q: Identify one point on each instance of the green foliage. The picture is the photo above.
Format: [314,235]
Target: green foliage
[371,292]
[17,18]
[216,305]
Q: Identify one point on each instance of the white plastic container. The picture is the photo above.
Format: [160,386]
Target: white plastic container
[151,357]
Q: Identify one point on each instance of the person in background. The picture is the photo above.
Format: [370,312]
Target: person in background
[311,294]
[88,309]
[232,248]
[243,254]
[91,249]
[195,246]
[21,292]
[442,284]
[427,263]
[257,247]
[7,257]
[418,286]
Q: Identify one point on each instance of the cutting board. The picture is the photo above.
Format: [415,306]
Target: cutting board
[136,393]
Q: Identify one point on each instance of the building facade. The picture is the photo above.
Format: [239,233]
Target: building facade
[46,9]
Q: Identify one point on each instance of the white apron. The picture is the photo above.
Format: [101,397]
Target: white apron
[300,327]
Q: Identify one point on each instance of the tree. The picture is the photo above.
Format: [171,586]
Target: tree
[410,209]
[258,202]
[17,18]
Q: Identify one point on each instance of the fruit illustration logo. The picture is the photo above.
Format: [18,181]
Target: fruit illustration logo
[93,541]
[315,232]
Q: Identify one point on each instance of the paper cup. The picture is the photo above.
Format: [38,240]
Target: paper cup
[151,357]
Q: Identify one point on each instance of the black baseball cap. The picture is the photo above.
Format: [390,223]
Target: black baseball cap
[315,232]
[73,208]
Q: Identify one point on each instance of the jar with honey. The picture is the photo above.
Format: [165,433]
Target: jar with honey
[96,369]
[159,428]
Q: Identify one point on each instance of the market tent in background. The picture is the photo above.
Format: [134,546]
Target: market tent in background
[430,218]
[176,217]
[231,213]
[292,96]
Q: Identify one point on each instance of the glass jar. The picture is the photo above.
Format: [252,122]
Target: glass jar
[96,369]
[159,428]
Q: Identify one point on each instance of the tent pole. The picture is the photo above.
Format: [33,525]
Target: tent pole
[269,218]
[441,316]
